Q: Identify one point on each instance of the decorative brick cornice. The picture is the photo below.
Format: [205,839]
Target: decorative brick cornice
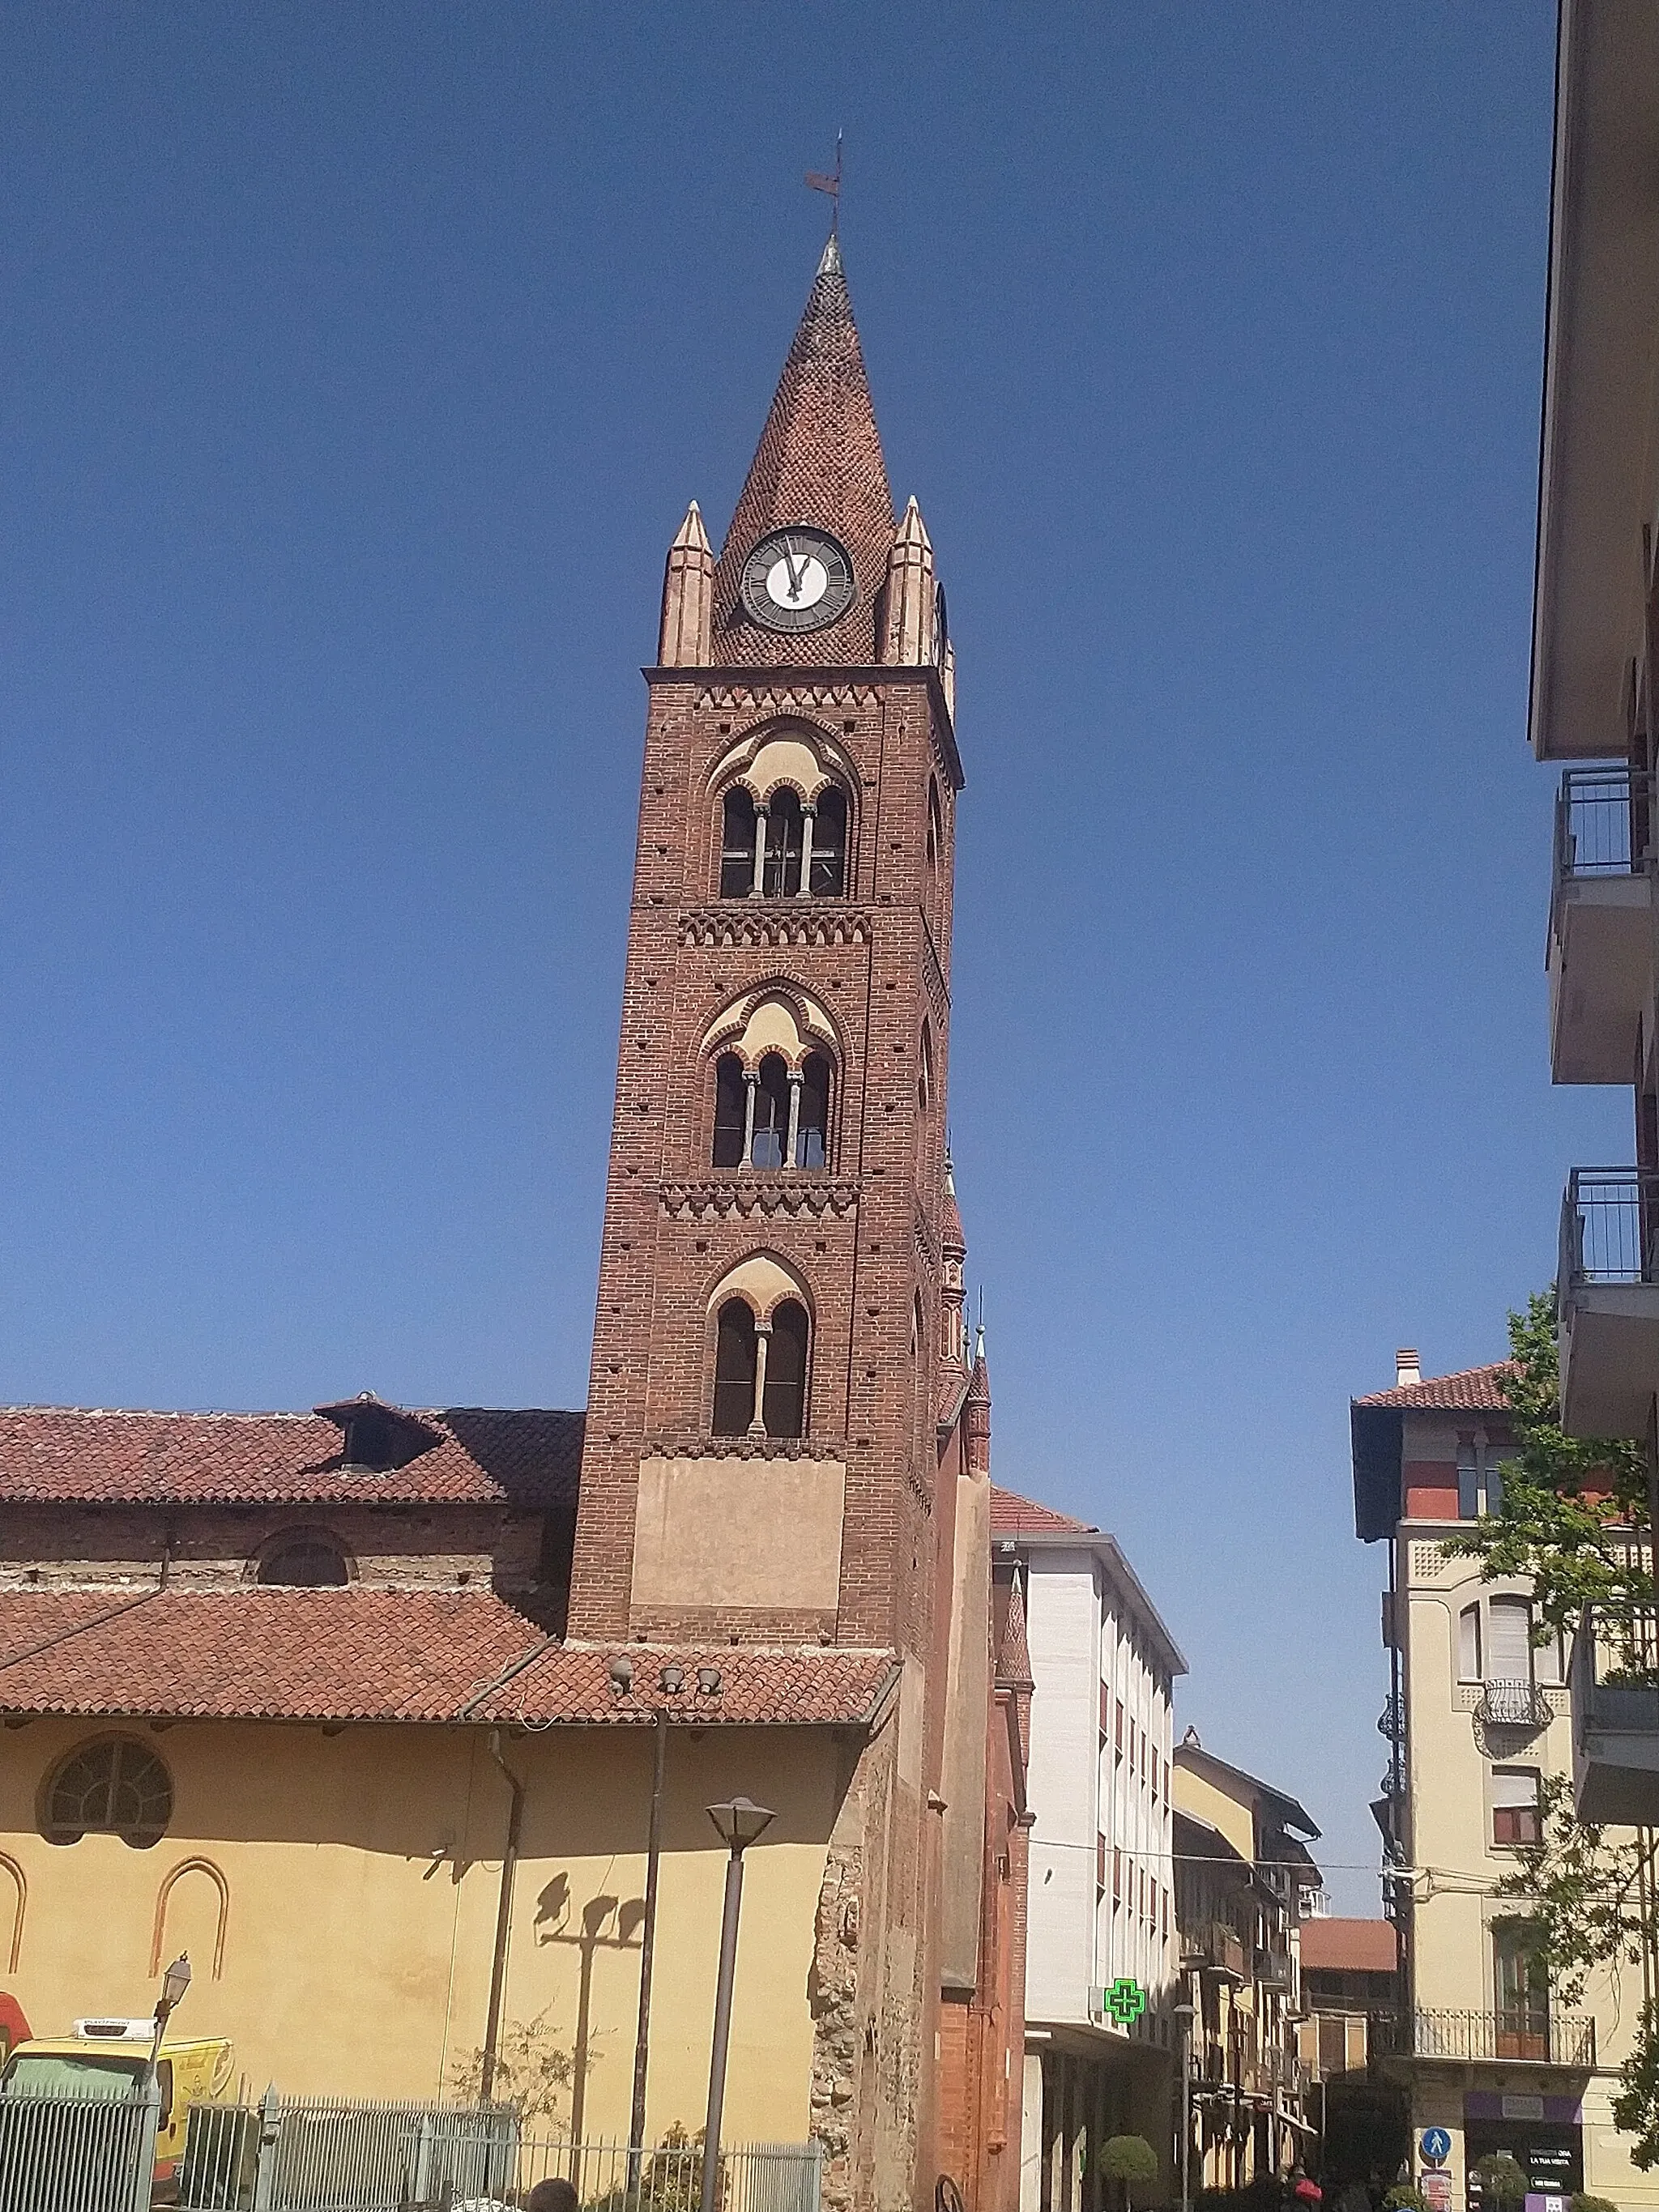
[763,923]
[703,1446]
[743,1197]
[926,1244]
[783,698]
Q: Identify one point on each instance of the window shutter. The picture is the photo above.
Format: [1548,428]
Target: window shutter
[1468,1644]
[1510,1656]
[1514,1785]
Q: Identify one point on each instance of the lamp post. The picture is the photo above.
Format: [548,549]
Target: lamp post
[1183,2013]
[738,1823]
[174,1983]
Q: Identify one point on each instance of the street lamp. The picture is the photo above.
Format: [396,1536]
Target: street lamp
[738,1823]
[1183,2013]
[174,1983]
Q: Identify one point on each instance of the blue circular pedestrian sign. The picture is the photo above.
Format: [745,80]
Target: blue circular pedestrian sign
[1437,2146]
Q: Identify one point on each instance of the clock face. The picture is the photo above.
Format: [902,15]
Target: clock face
[797,580]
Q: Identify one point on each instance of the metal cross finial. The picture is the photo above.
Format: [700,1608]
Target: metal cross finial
[831,185]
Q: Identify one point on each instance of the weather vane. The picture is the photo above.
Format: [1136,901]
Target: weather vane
[831,185]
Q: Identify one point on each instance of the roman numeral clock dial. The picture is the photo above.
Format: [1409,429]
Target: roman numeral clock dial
[797,580]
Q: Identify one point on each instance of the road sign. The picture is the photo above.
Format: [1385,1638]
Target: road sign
[1437,2146]
[1436,2184]
[1126,2001]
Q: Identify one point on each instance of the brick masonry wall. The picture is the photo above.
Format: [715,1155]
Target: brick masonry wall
[865,1234]
[66,1546]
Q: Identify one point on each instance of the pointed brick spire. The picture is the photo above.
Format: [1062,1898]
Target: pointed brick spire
[910,616]
[978,1411]
[819,461]
[687,596]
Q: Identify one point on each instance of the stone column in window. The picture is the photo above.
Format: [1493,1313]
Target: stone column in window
[762,1338]
[808,815]
[758,888]
[794,1116]
[750,1086]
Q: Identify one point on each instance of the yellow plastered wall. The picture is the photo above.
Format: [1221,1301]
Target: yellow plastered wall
[1457,1872]
[364,1874]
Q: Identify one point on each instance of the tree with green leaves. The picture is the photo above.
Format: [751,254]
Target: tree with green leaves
[1502,2182]
[1128,2158]
[1573,1517]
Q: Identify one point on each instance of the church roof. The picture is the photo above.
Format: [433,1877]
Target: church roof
[360,1654]
[819,461]
[66,1454]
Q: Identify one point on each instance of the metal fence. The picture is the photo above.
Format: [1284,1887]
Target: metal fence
[78,2154]
[307,2155]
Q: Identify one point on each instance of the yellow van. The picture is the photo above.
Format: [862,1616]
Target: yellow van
[104,2057]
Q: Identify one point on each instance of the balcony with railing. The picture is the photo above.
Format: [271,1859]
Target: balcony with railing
[1615,1683]
[1524,2037]
[1216,1948]
[1606,1298]
[1601,935]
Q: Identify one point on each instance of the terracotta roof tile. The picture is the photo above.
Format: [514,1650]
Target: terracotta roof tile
[1472,1390]
[1354,1946]
[1014,1516]
[65,1453]
[359,1654]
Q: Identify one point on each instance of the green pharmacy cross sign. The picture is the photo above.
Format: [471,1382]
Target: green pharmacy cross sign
[1126,2001]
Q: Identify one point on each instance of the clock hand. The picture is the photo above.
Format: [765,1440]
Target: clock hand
[795,573]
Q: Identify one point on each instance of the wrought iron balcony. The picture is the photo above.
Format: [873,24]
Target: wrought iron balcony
[1524,2037]
[1391,1721]
[1513,1705]
[1601,950]
[1606,1296]
[1615,1683]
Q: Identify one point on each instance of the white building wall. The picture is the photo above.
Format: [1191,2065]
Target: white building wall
[1062,1629]
[1090,1656]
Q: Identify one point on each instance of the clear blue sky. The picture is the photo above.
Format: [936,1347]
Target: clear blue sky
[358,364]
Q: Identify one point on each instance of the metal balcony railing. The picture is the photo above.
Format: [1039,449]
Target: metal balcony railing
[1603,824]
[1534,2038]
[1518,1704]
[1609,1229]
[1272,1969]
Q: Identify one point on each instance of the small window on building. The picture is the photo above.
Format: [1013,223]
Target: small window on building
[812,1120]
[737,843]
[935,833]
[1508,1640]
[783,844]
[771,1132]
[925,1072]
[1549,1659]
[731,1093]
[828,874]
[1515,1818]
[114,1787]
[1468,1644]
[1469,1481]
[785,1396]
[305,1562]
[734,1369]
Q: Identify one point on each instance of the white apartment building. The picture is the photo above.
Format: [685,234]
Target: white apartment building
[1101,1887]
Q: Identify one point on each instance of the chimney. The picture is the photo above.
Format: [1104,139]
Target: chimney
[1406,1367]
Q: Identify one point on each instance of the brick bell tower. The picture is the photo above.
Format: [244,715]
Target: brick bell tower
[764,1430]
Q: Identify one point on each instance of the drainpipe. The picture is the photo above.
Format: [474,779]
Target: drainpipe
[647,1947]
[504,1920]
